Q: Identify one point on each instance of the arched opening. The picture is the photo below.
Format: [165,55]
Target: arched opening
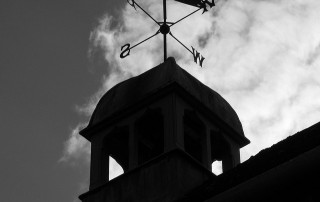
[114,168]
[220,152]
[116,147]
[149,130]
[194,136]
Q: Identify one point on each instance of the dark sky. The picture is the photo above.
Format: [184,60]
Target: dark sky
[44,74]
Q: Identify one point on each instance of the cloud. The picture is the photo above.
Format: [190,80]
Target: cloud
[77,148]
[262,56]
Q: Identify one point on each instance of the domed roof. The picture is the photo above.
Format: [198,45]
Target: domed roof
[133,90]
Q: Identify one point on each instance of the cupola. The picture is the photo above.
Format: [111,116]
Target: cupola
[162,126]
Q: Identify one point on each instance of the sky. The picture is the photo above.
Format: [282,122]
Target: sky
[57,58]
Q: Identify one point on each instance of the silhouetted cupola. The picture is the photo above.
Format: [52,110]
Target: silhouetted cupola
[162,125]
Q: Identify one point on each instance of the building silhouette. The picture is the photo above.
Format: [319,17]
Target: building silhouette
[165,129]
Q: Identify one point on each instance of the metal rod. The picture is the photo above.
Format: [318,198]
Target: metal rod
[181,43]
[164,35]
[147,14]
[185,17]
[145,39]
[165,47]
[165,11]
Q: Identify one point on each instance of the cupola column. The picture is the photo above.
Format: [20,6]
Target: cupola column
[207,149]
[179,125]
[133,147]
[231,159]
[99,172]
[169,124]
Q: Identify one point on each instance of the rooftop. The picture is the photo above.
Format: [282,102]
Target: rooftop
[293,147]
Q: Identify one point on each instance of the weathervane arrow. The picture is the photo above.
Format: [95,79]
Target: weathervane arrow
[164,27]
[199,3]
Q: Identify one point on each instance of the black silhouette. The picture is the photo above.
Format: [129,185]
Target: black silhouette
[164,28]
[165,128]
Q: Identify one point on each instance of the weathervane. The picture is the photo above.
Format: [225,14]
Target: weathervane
[164,27]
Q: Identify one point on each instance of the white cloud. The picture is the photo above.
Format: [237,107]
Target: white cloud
[261,56]
[77,148]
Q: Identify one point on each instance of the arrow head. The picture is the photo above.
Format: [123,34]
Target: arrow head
[199,3]
[195,3]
